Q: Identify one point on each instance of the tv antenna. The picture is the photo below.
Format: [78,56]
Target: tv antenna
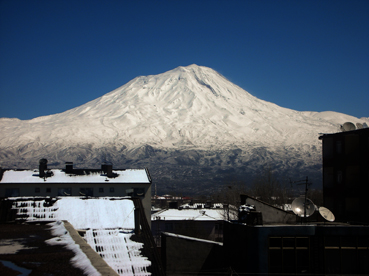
[306,203]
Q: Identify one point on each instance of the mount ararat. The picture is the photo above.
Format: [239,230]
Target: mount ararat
[190,126]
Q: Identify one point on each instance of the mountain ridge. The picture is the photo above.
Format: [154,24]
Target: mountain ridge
[167,118]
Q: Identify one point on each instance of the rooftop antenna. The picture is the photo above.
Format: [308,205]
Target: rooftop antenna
[306,203]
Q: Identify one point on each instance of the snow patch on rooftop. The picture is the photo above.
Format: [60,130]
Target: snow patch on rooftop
[59,176]
[63,237]
[109,223]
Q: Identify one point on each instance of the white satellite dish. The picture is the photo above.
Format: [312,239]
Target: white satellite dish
[359,125]
[326,213]
[299,207]
[348,126]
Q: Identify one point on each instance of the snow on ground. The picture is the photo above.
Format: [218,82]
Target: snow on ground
[109,223]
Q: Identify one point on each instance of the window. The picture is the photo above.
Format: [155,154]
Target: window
[328,178]
[352,143]
[64,191]
[12,192]
[327,147]
[352,204]
[130,192]
[339,147]
[289,254]
[339,177]
[140,192]
[111,189]
[350,252]
[86,191]
[136,192]
[101,190]
[48,190]
[352,176]
[37,190]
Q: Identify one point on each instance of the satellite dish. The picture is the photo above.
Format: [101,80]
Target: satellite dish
[298,207]
[326,213]
[348,126]
[365,125]
[359,125]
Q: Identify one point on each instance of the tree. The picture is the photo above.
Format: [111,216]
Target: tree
[268,188]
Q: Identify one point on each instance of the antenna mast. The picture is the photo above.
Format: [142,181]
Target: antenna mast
[301,182]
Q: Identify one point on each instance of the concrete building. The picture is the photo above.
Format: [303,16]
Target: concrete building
[346,174]
[312,248]
[104,182]
[107,236]
[199,220]
[283,244]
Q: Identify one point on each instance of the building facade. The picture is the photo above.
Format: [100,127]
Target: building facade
[346,174]
[104,182]
[197,220]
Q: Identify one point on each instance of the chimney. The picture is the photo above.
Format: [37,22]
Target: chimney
[107,168]
[68,167]
[243,199]
[42,167]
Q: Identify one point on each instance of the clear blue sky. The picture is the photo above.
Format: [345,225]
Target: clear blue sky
[304,55]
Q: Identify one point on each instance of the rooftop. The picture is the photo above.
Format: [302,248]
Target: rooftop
[107,224]
[78,176]
[195,211]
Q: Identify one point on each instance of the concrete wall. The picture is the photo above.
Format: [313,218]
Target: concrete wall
[182,254]
[199,229]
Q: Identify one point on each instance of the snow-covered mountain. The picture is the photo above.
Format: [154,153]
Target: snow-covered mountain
[187,125]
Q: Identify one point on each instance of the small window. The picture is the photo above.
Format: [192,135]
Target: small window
[339,147]
[140,192]
[339,177]
[12,192]
[111,189]
[86,191]
[48,190]
[37,190]
[64,191]
[101,190]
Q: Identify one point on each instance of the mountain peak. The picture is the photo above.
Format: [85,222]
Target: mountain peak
[189,105]
[189,116]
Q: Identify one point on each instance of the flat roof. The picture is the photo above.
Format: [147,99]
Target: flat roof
[191,214]
[89,176]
